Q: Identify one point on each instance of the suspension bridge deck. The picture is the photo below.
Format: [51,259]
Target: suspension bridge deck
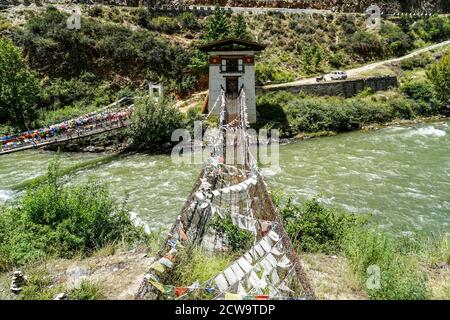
[62,138]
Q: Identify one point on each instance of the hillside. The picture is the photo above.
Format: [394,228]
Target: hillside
[118,49]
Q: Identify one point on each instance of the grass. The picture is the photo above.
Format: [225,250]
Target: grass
[199,265]
[384,266]
[39,285]
[87,291]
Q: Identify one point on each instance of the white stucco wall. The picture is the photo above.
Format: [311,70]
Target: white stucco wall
[217,79]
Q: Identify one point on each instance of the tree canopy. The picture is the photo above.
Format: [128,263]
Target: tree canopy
[439,76]
[19,88]
[239,29]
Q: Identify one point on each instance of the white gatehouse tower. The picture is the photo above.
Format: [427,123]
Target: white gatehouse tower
[232,69]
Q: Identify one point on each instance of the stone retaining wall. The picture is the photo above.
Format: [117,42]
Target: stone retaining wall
[341,88]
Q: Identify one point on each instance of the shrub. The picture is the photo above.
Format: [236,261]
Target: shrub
[366,44]
[192,114]
[439,76]
[419,61]
[104,49]
[95,11]
[271,114]
[189,21]
[419,91]
[164,24]
[315,228]
[196,265]
[403,108]
[54,219]
[153,122]
[424,95]
[398,42]
[434,28]
[237,238]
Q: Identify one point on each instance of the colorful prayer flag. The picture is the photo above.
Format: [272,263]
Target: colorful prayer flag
[179,291]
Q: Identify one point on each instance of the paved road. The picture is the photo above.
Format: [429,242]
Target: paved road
[354,73]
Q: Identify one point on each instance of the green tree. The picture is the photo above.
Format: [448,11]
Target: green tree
[307,57]
[439,76]
[153,122]
[19,88]
[217,26]
[239,30]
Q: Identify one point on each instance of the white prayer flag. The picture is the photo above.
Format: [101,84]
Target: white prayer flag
[244,264]
[273,292]
[272,260]
[230,276]
[241,289]
[259,250]
[262,283]
[275,251]
[237,271]
[265,244]
[253,280]
[274,276]
[248,257]
[221,282]
[284,262]
[242,222]
[284,287]
[266,265]
[204,205]
[274,236]
[200,195]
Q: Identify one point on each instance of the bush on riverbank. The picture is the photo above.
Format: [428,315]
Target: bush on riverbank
[316,228]
[293,114]
[153,122]
[58,220]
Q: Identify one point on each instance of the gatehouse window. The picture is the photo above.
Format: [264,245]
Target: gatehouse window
[232,65]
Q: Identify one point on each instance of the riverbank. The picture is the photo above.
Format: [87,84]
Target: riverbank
[372,127]
[338,264]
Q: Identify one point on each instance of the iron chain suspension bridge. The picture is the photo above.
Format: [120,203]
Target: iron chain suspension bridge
[112,117]
[230,187]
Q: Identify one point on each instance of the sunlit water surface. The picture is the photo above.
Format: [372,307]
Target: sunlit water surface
[401,175]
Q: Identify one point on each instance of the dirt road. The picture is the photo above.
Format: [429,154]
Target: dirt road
[354,73]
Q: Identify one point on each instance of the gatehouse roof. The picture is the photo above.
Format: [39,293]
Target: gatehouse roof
[232,44]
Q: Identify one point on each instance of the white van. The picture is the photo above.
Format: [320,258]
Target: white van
[338,75]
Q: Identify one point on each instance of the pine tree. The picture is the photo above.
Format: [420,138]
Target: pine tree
[217,26]
[240,28]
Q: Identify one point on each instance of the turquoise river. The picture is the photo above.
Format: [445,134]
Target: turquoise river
[400,175]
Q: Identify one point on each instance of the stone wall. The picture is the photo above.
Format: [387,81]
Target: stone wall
[342,88]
